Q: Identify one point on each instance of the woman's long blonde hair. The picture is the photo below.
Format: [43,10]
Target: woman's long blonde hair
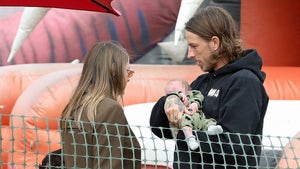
[102,76]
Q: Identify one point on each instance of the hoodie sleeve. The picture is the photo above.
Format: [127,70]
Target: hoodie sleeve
[159,121]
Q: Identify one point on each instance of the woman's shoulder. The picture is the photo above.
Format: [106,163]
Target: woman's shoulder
[108,100]
[108,110]
[109,104]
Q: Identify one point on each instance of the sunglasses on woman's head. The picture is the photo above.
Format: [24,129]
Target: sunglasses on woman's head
[130,73]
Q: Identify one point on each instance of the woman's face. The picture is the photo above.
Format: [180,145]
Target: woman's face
[201,51]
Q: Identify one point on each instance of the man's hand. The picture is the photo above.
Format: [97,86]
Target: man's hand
[174,109]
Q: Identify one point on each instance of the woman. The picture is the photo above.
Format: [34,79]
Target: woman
[95,132]
[233,92]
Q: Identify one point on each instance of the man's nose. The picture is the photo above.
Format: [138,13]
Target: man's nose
[191,53]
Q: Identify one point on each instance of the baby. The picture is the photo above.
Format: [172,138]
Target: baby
[192,99]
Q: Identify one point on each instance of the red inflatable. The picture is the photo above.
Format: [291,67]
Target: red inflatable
[89,5]
[64,35]
[272,27]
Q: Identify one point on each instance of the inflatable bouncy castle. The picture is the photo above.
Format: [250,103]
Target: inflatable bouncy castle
[38,76]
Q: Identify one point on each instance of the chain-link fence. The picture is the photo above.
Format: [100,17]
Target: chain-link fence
[30,142]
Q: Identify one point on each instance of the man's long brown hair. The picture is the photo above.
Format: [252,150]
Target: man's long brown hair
[216,21]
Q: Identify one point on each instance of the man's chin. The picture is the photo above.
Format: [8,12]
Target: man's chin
[201,66]
[204,69]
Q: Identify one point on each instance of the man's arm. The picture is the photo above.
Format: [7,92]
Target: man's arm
[160,119]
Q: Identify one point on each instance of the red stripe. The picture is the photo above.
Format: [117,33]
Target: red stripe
[67,4]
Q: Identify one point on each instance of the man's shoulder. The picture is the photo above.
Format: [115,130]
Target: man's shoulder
[244,74]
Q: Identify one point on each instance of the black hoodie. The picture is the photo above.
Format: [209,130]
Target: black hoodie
[236,98]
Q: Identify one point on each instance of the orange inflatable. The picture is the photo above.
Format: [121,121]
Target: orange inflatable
[14,80]
[37,108]
[34,116]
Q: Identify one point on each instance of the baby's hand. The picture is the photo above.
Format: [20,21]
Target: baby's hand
[183,98]
[193,108]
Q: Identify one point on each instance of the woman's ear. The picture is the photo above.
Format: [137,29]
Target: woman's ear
[214,43]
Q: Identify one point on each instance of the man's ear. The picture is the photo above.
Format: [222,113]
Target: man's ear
[214,43]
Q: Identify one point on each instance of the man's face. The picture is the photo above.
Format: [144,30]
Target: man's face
[201,51]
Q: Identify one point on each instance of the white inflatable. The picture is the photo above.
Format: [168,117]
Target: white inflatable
[30,18]
[186,11]
[155,151]
[175,52]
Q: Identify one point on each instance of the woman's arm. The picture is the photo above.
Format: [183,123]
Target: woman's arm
[118,144]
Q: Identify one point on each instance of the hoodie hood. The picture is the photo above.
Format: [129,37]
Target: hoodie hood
[251,61]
